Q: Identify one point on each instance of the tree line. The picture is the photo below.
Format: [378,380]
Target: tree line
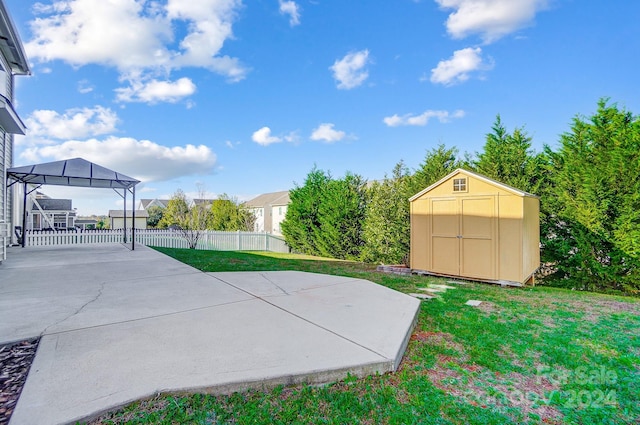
[192,218]
[589,188]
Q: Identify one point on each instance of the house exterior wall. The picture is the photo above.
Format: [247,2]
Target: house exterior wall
[270,210]
[258,225]
[485,232]
[278,213]
[60,219]
[6,162]
[13,61]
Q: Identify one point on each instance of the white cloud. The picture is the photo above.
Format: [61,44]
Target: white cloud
[155,91]
[292,9]
[84,87]
[325,132]
[142,159]
[116,33]
[492,19]
[292,137]
[137,37]
[350,71]
[422,119]
[263,137]
[73,123]
[456,69]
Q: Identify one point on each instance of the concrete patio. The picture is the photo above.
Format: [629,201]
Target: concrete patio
[120,325]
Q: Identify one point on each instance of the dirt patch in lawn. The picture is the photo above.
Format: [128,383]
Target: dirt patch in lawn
[489,307]
[481,387]
[440,339]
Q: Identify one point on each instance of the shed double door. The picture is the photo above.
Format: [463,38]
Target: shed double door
[463,236]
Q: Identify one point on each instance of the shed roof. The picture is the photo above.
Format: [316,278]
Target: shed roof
[472,174]
[120,214]
[71,172]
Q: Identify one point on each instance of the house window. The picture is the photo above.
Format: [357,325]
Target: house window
[460,185]
[279,210]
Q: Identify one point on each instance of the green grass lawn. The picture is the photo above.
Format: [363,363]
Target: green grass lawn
[532,355]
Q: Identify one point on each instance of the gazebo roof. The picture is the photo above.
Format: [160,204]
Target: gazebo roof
[71,172]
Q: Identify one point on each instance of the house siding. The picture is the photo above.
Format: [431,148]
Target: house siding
[12,60]
[279,212]
[6,162]
[269,210]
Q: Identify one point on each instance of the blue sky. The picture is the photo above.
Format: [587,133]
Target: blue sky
[245,97]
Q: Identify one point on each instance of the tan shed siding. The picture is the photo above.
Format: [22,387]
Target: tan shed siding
[478,236]
[510,238]
[474,186]
[489,231]
[118,222]
[420,235]
[531,236]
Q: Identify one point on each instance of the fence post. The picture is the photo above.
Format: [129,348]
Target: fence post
[238,240]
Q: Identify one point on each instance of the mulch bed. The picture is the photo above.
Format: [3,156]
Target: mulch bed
[15,361]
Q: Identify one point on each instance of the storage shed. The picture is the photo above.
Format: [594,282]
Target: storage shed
[471,226]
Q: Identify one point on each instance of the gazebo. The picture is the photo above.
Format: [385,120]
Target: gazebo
[74,172]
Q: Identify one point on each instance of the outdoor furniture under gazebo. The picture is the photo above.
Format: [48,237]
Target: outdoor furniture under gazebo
[74,172]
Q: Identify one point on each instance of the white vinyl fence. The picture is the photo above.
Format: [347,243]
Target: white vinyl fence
[166,238]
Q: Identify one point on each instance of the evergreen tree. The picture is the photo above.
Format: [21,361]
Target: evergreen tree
[228,215]
[438,162]
[176,210]
[594,239]
[155,215]
[340,215]
[509,159]
[387,223]
[386,226]
[301,223]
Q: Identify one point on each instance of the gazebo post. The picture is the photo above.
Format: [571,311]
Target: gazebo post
[124,228]
[24,216]
[133,217]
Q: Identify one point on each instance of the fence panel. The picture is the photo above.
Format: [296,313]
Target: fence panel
[165,238]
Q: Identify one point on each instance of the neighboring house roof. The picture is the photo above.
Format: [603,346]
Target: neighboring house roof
[41,195]
[146,203]
[120,214]
[53,205]
[203,201]
[86,221]
[273,198]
